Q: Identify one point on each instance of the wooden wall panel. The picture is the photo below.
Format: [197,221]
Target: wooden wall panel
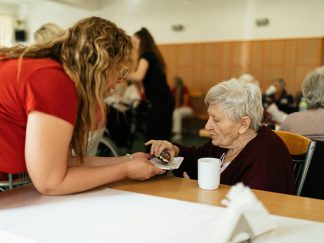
[256,60]
[308,51]
[211,76]
[322,51]
[203,64]
[198,66]
[184,55]
[290,65]
[227,56]
[187,74]
[212,54]
[274,52]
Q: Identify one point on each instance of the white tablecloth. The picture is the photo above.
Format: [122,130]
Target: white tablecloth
[108,215]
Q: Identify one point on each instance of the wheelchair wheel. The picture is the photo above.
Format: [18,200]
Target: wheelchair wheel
[107,148]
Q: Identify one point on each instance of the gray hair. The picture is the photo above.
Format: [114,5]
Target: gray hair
[47,32]
[313,88]
[238,98]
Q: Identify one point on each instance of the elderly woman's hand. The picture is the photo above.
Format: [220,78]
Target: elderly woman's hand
[157,146]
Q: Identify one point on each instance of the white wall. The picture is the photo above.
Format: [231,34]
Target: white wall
[44,11]
[209,20]
[6,8]
[204,20]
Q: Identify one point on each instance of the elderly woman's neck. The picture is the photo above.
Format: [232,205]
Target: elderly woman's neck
[243,140]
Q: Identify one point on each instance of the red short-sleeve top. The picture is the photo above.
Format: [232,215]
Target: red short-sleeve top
[42,85]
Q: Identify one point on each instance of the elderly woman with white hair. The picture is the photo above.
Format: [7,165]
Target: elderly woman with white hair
[253,154]
[309,123]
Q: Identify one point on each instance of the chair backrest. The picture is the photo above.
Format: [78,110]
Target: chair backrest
[300,149]
[296,144]
[312,178]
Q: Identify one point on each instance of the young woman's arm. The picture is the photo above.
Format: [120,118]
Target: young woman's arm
[140,72]
[47,154]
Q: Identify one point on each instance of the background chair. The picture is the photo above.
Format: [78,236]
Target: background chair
[312,178]
[300,149]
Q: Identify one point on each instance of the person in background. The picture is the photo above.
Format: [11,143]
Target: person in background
[276,116]
[122,104]
[51,95]
[151,72]
[124,96]
[252,154]
[47,32]
[183,107]
[309,123]
[248,78]
[277,101]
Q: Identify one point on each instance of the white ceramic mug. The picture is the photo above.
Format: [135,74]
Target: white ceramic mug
[209,173]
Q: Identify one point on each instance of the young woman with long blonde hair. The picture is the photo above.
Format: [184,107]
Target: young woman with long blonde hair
[51,96]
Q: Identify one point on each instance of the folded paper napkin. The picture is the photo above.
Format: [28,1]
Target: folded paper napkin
[246,217]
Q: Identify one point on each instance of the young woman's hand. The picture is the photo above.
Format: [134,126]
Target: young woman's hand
[142,169]
[140,155]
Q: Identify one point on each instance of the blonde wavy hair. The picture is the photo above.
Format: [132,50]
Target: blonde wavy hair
[88,51]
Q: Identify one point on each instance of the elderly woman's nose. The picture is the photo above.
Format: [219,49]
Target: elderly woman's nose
[207,125]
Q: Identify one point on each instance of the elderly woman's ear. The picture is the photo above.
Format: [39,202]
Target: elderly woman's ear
[245,124]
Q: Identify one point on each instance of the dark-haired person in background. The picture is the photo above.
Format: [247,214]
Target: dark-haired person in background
[277,102]
[151,72]
[277,93]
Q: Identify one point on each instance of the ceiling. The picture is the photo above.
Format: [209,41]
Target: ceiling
[85,4]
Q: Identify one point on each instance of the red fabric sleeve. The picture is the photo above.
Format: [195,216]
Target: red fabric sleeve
[51,91]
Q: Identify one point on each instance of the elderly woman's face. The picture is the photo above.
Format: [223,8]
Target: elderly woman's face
[223,131]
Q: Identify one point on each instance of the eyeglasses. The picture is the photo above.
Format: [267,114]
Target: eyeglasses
[123,74]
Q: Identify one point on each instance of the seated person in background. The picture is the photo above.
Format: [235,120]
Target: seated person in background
[47,32]
[124,96]
[122,103]
[277,101]
[309,123]
[248,78]
[276,116]
[253,155]
[182,109]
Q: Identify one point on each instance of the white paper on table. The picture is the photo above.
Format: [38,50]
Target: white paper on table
[7,237]
[108,215]
[173,165]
